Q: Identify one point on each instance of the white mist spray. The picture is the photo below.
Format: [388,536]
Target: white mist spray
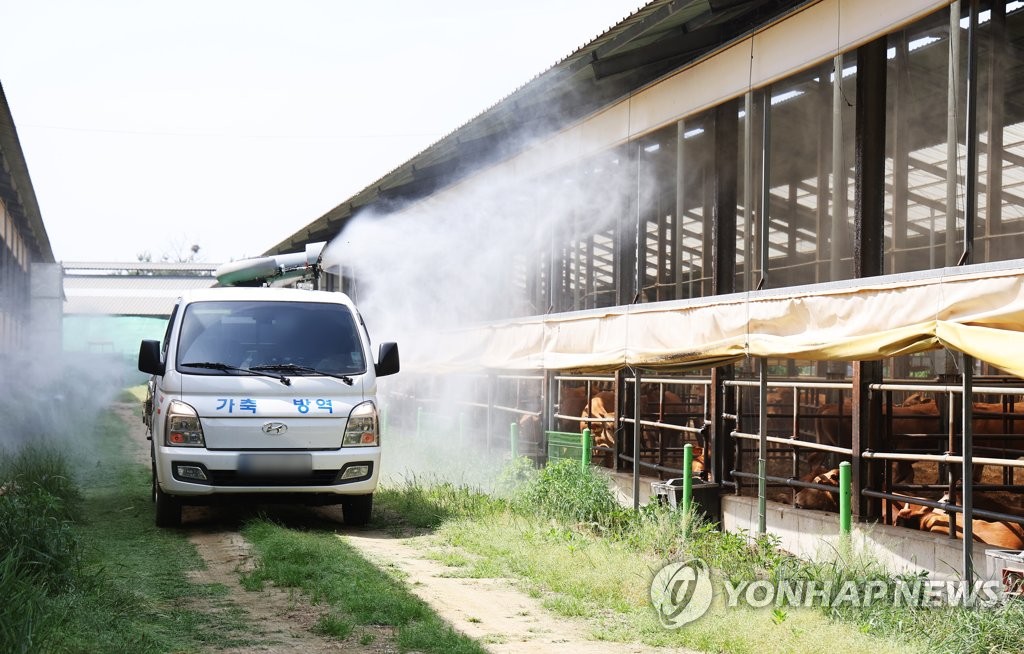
[451,261]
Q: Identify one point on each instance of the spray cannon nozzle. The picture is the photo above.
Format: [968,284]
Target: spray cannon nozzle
[275,269]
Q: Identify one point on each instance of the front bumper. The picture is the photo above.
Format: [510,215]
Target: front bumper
[227,474]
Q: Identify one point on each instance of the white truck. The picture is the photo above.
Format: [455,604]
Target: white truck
[264,395]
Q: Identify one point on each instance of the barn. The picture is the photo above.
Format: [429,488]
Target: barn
[787,232]
[31,298]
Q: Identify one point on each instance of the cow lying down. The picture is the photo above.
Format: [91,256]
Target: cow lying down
[1005,535]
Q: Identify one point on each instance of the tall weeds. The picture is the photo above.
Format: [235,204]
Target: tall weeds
[576,508]
[41,554]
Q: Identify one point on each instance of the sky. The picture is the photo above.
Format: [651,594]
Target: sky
[230,124]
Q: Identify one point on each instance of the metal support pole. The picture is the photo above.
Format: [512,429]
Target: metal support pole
[491,380]
[845,482]
[687,477]
[514,439]
[970,215]
[952,142]
[588,445]
[636,440]
[762,450]
[838,174]
[967,482]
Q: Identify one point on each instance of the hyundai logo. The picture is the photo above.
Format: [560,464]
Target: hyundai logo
[274,428]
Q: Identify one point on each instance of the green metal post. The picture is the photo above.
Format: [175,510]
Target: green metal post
[588,444]
[514,433]
[844,498]
[687,477]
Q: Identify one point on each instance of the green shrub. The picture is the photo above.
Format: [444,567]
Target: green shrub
[564,490]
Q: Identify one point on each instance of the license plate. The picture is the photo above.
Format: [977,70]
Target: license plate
[275,465]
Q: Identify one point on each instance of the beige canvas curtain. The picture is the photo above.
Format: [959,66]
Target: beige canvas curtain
[979,313]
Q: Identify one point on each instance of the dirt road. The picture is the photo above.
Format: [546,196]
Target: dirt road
[491,611]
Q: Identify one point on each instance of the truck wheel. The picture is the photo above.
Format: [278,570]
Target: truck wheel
[168,509]
[356,509]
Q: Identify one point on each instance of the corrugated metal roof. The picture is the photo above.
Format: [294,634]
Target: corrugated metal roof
[16,187]
[128,293]
[659,37]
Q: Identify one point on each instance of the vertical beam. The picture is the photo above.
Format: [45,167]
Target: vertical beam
[720,400]
[901,148]
[677,250]
[723,223]
[762,446]
[748,191]
[971,135]
[996,89]
[869,196]
[636,439]
[970,215]
[620,405]
[822,169]
[952,143]
[764,223]
[869,229]
[839,186]
[867,411]
[627,234]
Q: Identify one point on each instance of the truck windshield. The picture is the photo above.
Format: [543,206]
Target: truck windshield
[307,338]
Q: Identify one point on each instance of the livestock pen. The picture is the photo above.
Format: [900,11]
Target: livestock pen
[807,227]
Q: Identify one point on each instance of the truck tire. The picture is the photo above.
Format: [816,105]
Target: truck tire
[356,509]
[168,509]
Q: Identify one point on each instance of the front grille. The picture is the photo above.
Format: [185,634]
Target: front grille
[232,478]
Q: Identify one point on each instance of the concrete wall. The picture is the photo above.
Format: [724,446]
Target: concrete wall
[815,534]
[46,314]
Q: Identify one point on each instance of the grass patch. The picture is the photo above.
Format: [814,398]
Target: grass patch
[334,626]
[86,571]
[331,572]
[566,541]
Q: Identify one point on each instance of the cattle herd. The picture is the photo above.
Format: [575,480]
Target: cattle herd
[918,424]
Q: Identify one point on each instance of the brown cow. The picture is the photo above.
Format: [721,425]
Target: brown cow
[571,402]
[1006,535]
[815,498]
[599,416]
[919,415]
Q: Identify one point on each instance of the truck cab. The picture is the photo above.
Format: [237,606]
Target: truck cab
[262,394]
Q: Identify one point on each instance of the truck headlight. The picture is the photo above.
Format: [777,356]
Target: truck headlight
[361,429]
[183,426]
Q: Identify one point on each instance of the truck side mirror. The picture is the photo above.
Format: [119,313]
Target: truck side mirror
[149,358]
[387,360]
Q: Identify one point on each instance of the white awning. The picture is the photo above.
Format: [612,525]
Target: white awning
[978,310]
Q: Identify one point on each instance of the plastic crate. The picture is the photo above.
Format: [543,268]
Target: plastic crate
[564,446]
[706,496]
[1008,567]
